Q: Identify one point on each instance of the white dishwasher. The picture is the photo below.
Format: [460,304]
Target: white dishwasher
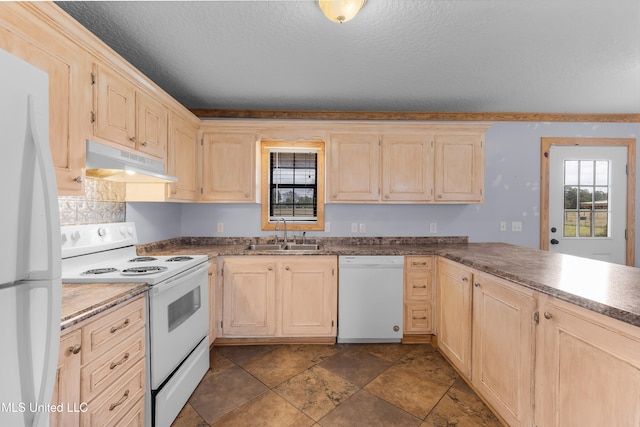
[370,299]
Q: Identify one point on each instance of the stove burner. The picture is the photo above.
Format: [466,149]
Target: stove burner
[143,270]
[179,259]
[99,271]
[143,259]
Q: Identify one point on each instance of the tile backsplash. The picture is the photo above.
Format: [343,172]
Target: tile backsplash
[103,201]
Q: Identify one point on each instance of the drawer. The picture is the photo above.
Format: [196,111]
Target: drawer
[117,400]
[418,318]
[112,364]
[418,263]
[135,416]
[418,286]
[107,331]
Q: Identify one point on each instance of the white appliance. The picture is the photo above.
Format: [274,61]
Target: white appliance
[370,299]
[178,310]
[30,287]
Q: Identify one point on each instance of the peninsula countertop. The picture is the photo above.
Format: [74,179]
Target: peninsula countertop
[609,289]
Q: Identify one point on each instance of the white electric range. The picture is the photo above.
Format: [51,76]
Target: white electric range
[178,313]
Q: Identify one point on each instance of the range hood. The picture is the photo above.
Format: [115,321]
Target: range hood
[113,164]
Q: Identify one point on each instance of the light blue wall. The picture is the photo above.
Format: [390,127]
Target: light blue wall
[512,178]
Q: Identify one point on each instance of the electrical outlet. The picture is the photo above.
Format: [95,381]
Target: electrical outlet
[362,228]
[220,227]
[503,225]
[433,227]
[354,227]
[516,226]
[327,227]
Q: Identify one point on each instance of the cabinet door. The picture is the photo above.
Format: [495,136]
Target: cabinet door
[68,67]
[228,168]
[354,167]
[587,368]
[453,325]
[151,121]
[503,347]
[182,159]
[249,293]
[213,269]
[407,168]
[114,107]
[459,168]
[67,387]
[309,296]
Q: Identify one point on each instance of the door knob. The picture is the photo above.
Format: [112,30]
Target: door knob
[554,241]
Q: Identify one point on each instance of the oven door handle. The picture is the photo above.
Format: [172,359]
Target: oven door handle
[186,275]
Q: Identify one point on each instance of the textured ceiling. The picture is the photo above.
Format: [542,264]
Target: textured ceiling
[554,56]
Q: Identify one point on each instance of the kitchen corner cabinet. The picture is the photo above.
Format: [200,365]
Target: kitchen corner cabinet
[503,347]
[101,369]
[587,368]
[453,308]
[183,158]
[26,33]
[459,168]
[418,295]
[287,296]
[126,115]
[228,167]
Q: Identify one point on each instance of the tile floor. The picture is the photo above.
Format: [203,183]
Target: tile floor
[338,385]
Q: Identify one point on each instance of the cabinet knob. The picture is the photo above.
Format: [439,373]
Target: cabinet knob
[439,196]
[386,196]
[132,139]
[476,284]
[75,349]
[78,179]
[270,268]
[547,315]
[144,143]
[287,268]
[246,195]
[465,279]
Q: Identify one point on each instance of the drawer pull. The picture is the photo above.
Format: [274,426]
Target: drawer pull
[115,329]
[419,263]
[419,318]
[124,359]
[75,349]
[420,287]
[124,397]
[465,279]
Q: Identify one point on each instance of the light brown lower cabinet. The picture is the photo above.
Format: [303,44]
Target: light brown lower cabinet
[588,368]
[279,296]
[503,347]
[101,369]
[418,295]
[537,361]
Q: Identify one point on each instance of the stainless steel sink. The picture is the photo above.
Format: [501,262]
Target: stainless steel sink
[265,247]
[302,247]
[283,247]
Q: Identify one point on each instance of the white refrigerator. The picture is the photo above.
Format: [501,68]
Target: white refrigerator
[30,260]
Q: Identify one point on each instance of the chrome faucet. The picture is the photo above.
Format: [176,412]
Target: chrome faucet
[284,233]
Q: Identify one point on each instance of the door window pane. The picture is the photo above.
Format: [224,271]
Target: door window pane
[586,198]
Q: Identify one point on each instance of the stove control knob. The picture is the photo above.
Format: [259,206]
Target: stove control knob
[75,235]
[123,231]
[130,231]
[63,238]
[102,232]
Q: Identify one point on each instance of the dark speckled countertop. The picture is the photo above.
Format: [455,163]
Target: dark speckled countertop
[82,301]
[609,289]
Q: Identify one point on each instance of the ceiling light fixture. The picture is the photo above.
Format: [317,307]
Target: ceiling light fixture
[340,10]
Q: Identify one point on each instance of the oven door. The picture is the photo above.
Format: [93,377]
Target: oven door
[178,320]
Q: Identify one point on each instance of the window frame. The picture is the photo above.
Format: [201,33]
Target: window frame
[265,193]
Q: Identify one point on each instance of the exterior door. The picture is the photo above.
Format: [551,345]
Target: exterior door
[587,201]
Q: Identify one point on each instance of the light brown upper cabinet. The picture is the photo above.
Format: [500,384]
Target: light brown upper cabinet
[407,168]
[417,165]
[127,116]
[229,167]
[459,168]
[183,158]
[354,171]
[24,34]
